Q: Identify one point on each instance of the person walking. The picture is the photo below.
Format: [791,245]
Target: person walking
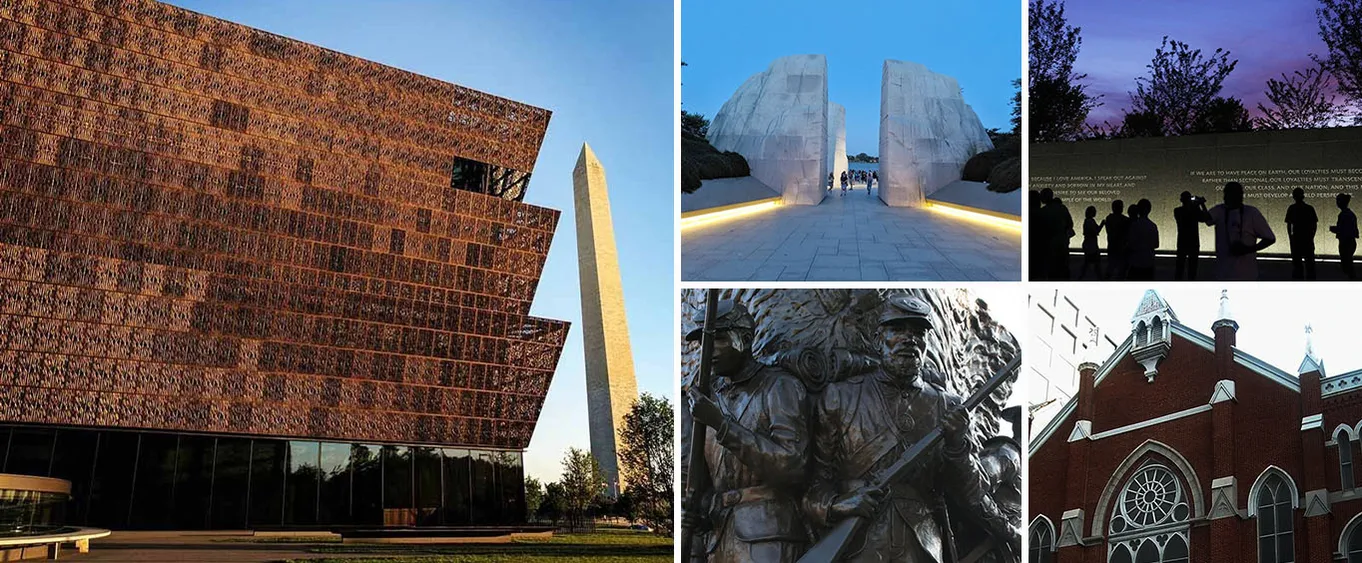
[869,183]
[844,182]
[1240,232]
[1092,255]
[1346,231]
[1301,223]
[1189,217]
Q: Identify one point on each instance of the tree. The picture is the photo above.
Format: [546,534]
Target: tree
[554,504]
[534,496]
[694,124]
[1016,107]
[1224,115]
[646,455]
[1340,26]
[1302,101]
[582,484]
[1182,87]
[1059,105]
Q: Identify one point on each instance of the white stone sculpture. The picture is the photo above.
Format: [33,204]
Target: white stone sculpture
[927,133]
[837,141]
[778,121]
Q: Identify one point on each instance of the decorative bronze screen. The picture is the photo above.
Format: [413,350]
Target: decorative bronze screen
[207,227]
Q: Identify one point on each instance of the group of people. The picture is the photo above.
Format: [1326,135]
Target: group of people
[1241,231]
[784,466]
[852,177]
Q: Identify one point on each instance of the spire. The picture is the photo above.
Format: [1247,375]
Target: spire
[1091,354]
[1312,361]
[1225,318]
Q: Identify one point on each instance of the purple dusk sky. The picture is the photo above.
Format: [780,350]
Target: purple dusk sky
[1268,37]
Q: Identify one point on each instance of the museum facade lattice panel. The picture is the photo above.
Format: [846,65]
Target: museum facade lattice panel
[210,228]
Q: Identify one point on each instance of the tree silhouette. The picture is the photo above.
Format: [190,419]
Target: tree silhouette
[1301,101]
[1058,103]
[1340,26]
[1182,88]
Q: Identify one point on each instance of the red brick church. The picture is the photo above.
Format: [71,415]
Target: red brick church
[1181,447]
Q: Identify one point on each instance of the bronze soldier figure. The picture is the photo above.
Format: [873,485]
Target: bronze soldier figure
[756,450]
[864,423]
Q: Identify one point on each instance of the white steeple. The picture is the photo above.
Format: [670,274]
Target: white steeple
[1225,318]
[1312,361]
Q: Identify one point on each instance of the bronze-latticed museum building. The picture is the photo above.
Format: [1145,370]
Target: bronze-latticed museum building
[247,282]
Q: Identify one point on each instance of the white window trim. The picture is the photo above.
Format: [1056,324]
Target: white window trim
[1258,484]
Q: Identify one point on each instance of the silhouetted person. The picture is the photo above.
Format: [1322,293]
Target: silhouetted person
[1037,235]
[1092,255]
[1346,231]
[1059,227]
[1143,240]
[1189,217]
[1240,232]
[1118,227]
[1301,224]
[844,182]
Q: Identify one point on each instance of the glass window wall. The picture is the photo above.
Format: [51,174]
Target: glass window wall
[145,481]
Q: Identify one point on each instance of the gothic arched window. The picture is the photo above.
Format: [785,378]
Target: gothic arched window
[1345,459]
[1276,521]
[1149,524]
[1041,542]
[1354,545]
[1156,330]
[1141,334]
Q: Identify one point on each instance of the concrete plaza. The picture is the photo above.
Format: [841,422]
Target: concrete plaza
[849,238]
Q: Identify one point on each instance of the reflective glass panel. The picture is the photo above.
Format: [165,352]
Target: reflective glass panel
[111,488]
[397,489]
[457,476]
[304,474]
[153,490]
[230,476]
[428,493]
[193,482]
[268,464]
[334,507]
[366,462]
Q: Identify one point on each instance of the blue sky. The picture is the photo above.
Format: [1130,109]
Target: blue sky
[605,69]
[978,42]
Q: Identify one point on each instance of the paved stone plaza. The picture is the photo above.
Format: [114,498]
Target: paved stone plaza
[847,238]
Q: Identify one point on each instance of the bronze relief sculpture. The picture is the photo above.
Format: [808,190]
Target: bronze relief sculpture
[835,427]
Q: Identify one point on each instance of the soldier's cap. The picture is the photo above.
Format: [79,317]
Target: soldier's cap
[730,315]
[906,308]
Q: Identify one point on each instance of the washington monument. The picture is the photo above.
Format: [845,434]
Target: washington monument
[610,386]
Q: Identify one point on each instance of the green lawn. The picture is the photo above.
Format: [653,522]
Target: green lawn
[603,546]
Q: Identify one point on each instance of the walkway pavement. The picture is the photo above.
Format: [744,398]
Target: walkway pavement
[848,238]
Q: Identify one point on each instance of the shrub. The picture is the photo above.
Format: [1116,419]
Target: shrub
[1006,176]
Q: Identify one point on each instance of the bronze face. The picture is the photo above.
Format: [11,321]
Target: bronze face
[731,352]
[901,348]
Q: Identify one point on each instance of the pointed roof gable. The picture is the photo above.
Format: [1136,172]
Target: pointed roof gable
[1152,303]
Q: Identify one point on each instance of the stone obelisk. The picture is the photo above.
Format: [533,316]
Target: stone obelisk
[610,386]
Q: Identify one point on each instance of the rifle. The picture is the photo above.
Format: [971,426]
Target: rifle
[698,469]
[833,545]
